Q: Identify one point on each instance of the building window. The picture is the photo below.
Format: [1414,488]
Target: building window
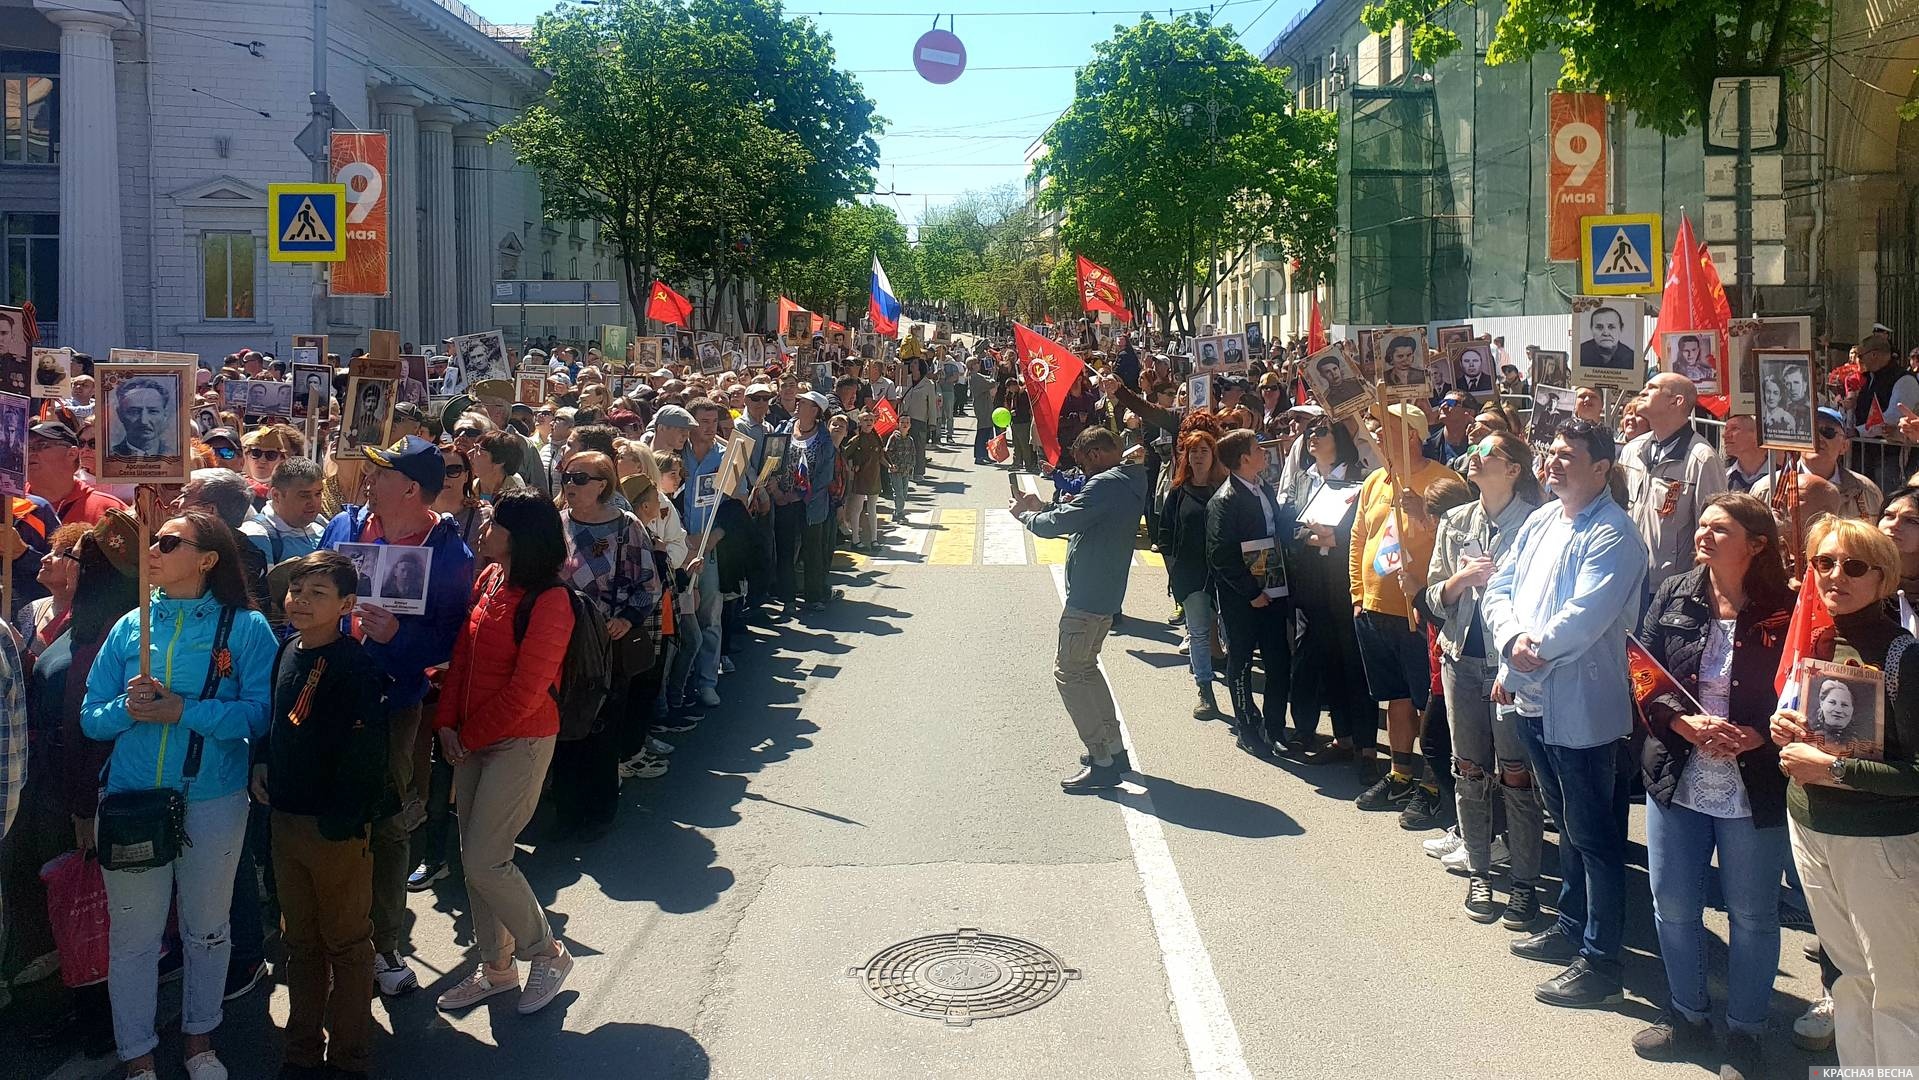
[32,270]
[227,274]
[546,265]
[31,116]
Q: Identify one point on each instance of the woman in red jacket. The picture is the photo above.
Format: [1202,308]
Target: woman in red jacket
[497,725]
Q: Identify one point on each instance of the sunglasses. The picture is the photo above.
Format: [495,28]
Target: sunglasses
[1319,432]
[577,479]
[1853,568]
[264,455]
[455,470]
[468,432]
[1829,432]
[167,545]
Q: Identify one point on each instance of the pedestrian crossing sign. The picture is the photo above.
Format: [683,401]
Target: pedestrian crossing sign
[304,222]
[1621,255]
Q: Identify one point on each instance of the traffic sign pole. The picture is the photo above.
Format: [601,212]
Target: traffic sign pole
[322,106]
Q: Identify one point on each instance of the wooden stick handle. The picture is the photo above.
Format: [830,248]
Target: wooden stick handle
[6,560]
[143,500]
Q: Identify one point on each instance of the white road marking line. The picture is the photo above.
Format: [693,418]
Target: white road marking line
[1005,543]
[1212,1040]
[919,533]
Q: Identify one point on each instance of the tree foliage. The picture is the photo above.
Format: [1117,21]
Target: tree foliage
[838,270]
[1656,57]
[1179,142]
[706,137]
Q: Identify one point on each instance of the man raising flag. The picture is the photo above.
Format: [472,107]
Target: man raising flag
[885,308]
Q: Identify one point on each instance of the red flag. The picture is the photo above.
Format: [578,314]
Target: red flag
[1653,686]
[1316,328]
[1049,371]
[1810,635]
[885,418]
[1695,300]
[1099,290]
[668,306]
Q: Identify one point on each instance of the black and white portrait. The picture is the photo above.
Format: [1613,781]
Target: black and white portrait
[1606,342]
[53,374]
[15,414]
[1552,406]
[1694,354]
[1552,367]
[1472,367]
[1786,402]
[1844,709]
[413,380]
[482,356]
[754,346]
[369,413]
[310,384]
[1335,381]
[145,436]
[1403,363]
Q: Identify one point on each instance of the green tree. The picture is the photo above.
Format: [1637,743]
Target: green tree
[708,138]
[1657,58]
[1179,143]
[838,270]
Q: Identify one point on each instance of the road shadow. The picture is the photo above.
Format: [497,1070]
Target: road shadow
[1204,809]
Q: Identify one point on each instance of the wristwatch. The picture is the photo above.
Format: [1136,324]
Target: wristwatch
[1838,770]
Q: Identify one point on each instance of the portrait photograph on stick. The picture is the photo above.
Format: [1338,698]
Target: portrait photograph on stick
[392,576]
[1335,380]
[16,413]
[1552,367]
[646,354]
[1607,345]
[482,356]
[1742,361]
[1786,401]
[53,374]
[1694,354]
[1552,406]
[369,405]
[311,384]
[1404,363]
[146,435]
[1471,363]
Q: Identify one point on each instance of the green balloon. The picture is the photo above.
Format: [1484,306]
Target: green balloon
[1002,417]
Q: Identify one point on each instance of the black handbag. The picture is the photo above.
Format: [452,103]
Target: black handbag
[147,829]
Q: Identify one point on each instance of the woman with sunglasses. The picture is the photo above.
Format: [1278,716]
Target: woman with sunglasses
[609,559]
[497,723]
[1327,675]
[1854,822]
[1182,541]
[1486,747]
[1712,778]
[456,498]
[202,694]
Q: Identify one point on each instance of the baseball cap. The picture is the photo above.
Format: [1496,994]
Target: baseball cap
[54,431]
[672,416]
[414,458]
[1412,416]
[817,399]
[227,433]
[760,388]
[407,410]
[1306,410]
[1877,341]
[1827,412]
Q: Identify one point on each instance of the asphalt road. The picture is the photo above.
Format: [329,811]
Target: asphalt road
[888,770]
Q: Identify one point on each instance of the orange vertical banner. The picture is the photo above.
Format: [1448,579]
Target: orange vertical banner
[1576,169]
[360,162]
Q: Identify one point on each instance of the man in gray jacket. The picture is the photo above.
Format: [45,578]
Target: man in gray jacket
[1670,472]
[979,393]
[1102,520]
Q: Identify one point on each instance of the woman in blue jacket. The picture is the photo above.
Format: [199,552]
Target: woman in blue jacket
[153,721]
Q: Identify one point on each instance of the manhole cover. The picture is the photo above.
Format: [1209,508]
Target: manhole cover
[963,976]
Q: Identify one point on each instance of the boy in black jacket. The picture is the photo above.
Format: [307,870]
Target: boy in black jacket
[322,771]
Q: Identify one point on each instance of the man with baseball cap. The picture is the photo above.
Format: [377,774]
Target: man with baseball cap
[407,477]
[53,473]
[1392,545]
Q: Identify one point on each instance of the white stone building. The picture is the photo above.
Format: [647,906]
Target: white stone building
[140,136]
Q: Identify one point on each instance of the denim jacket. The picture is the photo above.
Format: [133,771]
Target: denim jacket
[1575,588]
[1456,527]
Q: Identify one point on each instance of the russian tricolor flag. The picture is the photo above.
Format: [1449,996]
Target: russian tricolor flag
[885,308]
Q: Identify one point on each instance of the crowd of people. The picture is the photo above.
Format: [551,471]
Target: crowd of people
[356,671]
[359,666]
[1489,596]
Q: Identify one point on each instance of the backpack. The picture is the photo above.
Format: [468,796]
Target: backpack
[586,675]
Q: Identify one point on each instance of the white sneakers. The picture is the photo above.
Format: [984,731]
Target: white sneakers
[544,980]
[1813,1031]
[1450,850]
[644,765]
[205,1066]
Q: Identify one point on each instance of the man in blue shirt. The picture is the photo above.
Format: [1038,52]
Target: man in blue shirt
[1557,613]
[1102,519]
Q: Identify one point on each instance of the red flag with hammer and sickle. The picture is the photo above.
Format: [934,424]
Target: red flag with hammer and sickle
[668,306]
[1099,290]
[1049,372]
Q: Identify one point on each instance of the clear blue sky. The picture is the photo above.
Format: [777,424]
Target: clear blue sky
[942,141]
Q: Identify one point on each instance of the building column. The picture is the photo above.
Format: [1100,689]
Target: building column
[439,265]
[473,213]
[92,290]
[394,108]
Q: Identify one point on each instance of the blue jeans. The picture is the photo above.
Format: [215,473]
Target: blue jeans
[1582,790]
[138,903]
[1202,615]
[706,669]
[1680,844]
[897,481]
